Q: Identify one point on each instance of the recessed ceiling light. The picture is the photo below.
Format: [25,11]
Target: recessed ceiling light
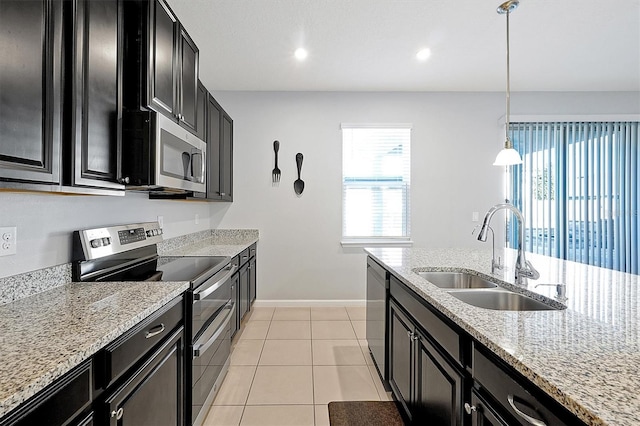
[423,54]
[301,54]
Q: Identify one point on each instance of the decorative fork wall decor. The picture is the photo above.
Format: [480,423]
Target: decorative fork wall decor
[275,174]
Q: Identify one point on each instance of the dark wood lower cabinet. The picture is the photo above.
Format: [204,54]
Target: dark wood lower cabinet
[154,394]
[482,413]
[244,290]
[429,388]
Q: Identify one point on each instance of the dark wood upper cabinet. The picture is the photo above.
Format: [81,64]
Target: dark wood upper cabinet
[219,140]
[163,66]
[161,62]
[201,112]
[95,73]
[30,92]
[188,82]
[226,165]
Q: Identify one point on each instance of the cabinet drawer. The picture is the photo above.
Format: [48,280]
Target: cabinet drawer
[244,256]
[446,337]
[512,396]
[253,250]
[121,354]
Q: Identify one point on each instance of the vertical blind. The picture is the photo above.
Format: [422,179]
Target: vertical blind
[578,190]
[375,181]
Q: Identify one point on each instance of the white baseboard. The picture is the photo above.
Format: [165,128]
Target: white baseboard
[309,303]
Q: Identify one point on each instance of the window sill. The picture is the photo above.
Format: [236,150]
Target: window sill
[376,243]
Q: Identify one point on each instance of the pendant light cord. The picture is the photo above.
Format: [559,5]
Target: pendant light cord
[507,142]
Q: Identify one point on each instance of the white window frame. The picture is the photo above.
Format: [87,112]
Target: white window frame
[371,241]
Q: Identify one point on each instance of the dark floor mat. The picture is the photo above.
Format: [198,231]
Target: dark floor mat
[364,413]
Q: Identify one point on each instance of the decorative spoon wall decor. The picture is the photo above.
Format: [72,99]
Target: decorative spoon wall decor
[298,185]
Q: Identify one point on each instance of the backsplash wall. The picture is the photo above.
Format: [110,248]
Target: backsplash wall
[45,222]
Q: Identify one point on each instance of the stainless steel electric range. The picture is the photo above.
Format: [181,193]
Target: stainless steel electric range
[129,253]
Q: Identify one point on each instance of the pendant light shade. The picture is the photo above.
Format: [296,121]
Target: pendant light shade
[507,156]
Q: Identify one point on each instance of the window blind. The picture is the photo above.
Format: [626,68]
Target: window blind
[375,181]
[578,190]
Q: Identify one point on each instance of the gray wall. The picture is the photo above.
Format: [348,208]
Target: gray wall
[455,138]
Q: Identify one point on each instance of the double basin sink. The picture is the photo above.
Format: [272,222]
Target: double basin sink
[483,293]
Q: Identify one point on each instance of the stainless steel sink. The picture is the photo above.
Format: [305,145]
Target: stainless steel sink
[502,300]
[455,280]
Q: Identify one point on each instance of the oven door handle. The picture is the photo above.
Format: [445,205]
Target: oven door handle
[201,294]
[200,348]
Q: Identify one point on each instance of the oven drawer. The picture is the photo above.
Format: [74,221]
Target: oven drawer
[209,298]
[210,355]
[124,352]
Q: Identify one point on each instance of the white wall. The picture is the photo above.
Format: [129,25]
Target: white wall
[45,222]
[455,139]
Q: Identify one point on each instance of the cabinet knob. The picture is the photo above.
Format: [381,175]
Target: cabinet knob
[469,408]
[117,414]
[222,194]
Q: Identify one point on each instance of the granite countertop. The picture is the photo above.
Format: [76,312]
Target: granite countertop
[50,325]
[47,334]
[585,356]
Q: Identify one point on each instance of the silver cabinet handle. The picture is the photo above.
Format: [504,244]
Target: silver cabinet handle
[469,408]
[410,334]
[532,420]
[222,193]
[154,331]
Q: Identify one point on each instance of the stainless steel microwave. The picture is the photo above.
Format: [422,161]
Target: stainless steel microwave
[160,156]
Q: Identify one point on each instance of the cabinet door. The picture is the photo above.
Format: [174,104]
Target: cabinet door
[439,387]
[226,163]
[97,93]
[30,90]
[214,114]
[153,395]
[400,356]
[201,113]
[188,82]
[483,414]
[252,281]
[235,324]
[163,28]
[244,290]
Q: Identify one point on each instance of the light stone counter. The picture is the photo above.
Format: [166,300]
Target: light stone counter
[44,336]
[48,325]
[585,356]
[217,242]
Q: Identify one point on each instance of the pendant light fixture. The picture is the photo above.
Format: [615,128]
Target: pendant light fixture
[508,155]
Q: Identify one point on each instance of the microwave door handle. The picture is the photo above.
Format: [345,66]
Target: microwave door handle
[200,348]
[186,165]
[200,177]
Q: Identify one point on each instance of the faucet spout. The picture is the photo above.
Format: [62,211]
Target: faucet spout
[523,268]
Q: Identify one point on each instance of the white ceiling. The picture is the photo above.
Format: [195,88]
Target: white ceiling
[361,45]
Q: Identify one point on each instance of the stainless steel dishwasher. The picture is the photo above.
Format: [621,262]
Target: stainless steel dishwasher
[377,308]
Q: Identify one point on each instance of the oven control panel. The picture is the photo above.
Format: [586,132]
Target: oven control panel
[100,242]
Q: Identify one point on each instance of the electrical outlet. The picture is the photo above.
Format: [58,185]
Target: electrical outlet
[197,218]
[475,217]
[161,221]
[8,241]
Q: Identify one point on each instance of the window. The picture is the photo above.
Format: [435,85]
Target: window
[578,190]
[375,182]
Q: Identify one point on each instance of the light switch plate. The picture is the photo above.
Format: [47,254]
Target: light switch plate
[8,241]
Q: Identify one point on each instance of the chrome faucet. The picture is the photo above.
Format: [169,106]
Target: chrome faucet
[523,268]
[495,265]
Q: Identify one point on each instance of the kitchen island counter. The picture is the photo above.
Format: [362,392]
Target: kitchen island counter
[584,357]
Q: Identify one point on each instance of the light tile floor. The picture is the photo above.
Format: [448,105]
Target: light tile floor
[287,364]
